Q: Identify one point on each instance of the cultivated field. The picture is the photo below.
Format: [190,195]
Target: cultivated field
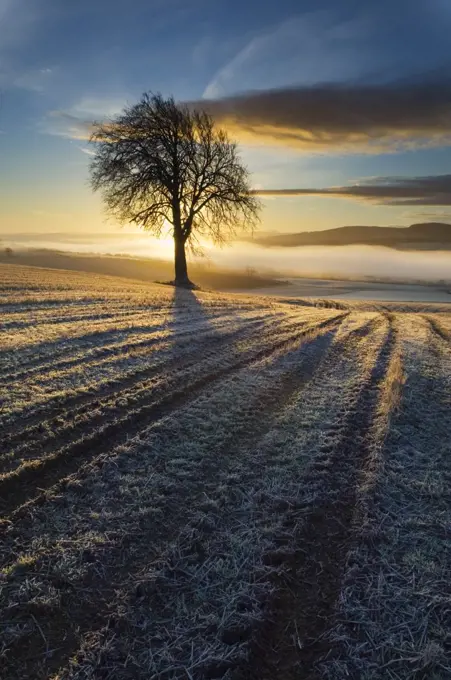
[199,485]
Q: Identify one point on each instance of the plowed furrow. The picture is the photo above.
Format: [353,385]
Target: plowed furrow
[86,318]
[18,487]
[57,345]
[33,355]
[83,397]
[393,599]
[49,429]
[271,402]
[438,329]
[29,305]
[36,343]
[308,588]
[72,621]
[120,347]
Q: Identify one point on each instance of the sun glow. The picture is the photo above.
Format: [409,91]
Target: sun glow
[165,247]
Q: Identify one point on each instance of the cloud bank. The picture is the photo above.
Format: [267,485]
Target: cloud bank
[330,118]
[430,190]
[340,117]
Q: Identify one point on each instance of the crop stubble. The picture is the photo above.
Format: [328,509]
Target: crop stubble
[211,486]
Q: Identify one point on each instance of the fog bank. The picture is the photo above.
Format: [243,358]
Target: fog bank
[116,243]
[316,261]
[339,261]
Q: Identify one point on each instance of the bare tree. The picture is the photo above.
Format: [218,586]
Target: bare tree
[160,163]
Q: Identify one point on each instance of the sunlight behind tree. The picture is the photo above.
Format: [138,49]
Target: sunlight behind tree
[160,162]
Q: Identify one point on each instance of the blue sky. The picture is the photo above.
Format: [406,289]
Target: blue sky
[64,63]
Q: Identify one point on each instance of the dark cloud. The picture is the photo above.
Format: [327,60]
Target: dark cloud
[397,191]
[347,117]
[326,118]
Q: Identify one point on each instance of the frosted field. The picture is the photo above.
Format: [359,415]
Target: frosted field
[201,485]
[368,291]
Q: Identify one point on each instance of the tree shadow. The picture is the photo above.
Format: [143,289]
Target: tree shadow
[190,317]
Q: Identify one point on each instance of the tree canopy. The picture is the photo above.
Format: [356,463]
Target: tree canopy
[161,164]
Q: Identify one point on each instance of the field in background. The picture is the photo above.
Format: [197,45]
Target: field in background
[201,485]
[247,279]
[142,269]
[369,291]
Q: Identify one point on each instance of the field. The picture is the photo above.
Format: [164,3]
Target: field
[202,485]
[143,269]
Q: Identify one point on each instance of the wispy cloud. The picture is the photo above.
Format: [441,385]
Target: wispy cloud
[311,47]
[76,122]
[227,73]
[85,150]
[429,190]
[64,124]
[341,117]
[98,107]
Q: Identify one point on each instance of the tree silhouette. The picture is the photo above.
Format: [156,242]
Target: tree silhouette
[160,163]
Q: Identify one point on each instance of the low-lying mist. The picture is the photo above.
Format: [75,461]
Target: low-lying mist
[311,261]
[339,261]
[117,243]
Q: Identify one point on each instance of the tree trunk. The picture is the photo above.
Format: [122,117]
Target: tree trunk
[181,270]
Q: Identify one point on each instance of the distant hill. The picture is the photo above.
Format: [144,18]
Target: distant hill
[421,236]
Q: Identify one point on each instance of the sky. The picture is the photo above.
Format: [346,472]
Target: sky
[342,109]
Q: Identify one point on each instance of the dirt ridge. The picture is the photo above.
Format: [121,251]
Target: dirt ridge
[138,380]
[20,486]
[113,574]
[111,387]
[291,642]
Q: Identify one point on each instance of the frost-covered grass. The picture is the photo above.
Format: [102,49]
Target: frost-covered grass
[394,605]
[165,456]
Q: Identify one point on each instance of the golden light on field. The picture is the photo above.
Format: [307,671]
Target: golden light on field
[238,409]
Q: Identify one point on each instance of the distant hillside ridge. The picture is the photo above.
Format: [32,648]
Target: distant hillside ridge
[423,235]
[141,269]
